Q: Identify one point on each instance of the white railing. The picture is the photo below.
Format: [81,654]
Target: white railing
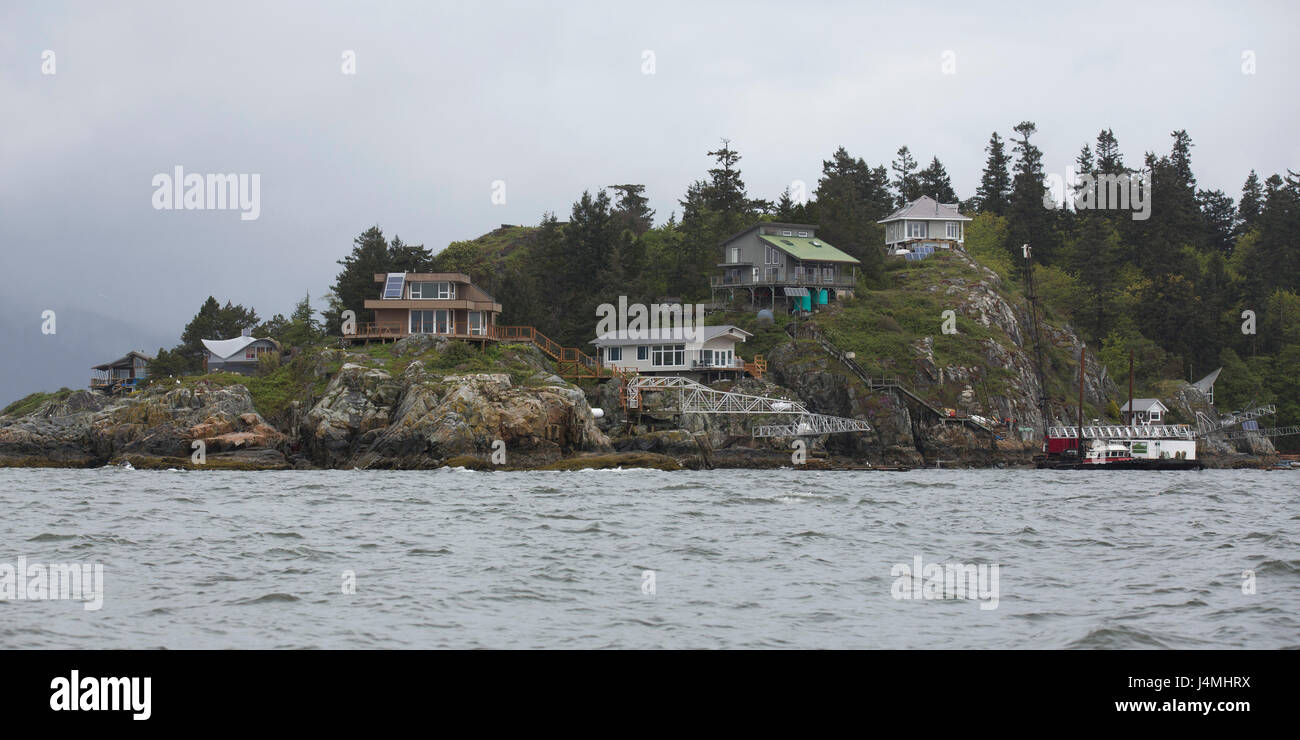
[1150,431]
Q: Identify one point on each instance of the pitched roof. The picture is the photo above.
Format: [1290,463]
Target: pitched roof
[926,208]
[807,248]
[777,224]
[675,334]
[1143,404]
[1205,384]
[226,348]
[123,360]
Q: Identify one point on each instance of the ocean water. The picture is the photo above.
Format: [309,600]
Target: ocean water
[737,559]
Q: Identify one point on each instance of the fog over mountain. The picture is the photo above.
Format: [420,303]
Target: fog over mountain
[548,99]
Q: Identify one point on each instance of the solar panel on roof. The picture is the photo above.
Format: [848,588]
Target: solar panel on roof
[393,287]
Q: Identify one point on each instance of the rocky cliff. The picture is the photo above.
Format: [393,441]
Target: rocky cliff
[427,402]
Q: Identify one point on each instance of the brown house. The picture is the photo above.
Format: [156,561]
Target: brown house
[122,374]
[441,303]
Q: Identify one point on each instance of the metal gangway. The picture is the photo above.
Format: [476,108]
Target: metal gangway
[1139,431]
[1207,426]
[685,396]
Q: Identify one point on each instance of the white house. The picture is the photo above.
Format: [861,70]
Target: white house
[238,355]
[710,348]
[1146,411]
[924,225]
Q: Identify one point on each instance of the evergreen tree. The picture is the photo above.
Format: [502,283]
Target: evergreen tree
[994,190]
[851,197]
[356,282]
[1219,218]
[906,183]
[1252,202]
[1109,159]
[1093,256]
[632,208]
[403,257]
[216,322]
[725,192]
[302,328]
[1029,220]
[934,182]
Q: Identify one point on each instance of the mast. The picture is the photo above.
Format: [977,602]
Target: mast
[1038,344]
[1083,351]
[1129,421]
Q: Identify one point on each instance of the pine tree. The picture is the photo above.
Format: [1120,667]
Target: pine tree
[1109,159]
[356,282]
[403,257]
[1219,218]
[994,192]
[906,184]
[934,182]
[632,208]
[851,197]
[1250,205]
[725,192]
[1029,221]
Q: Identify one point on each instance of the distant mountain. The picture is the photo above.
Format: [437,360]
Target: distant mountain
[45,362]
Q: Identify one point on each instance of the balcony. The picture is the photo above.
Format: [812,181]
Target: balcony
[735,364]
[773,276]
[451,330]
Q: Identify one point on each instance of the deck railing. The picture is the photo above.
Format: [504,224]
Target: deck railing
[782,276]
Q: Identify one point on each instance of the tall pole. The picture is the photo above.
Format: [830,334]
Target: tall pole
[1083,351]
[1129,420]
[1038,345]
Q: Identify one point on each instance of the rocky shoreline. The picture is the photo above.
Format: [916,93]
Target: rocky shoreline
[409,407]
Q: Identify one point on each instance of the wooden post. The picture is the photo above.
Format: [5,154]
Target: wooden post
[1082,360]
[1129,420]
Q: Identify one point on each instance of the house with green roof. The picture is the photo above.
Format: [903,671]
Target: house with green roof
[770,262]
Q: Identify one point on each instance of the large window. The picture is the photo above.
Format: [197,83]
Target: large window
[614,354]
[954,230]
[771,256]
[477,324]
[668,355]
[735,255]
[916,230]
[716,357]
[442,291]
[643,352]
[431,322]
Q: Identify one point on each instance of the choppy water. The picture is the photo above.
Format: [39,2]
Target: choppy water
[741,558]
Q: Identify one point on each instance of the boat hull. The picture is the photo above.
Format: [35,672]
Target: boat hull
[1152,464]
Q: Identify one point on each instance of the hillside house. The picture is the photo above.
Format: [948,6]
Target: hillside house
[710,351]
[919,228]
[442,303]
[237,355]
[771,261]
[122,374]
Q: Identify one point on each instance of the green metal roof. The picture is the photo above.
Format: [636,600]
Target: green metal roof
[808,249]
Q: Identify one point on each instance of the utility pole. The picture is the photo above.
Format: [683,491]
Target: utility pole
[1038,343]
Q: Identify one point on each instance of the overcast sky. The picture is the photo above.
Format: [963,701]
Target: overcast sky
[549,98]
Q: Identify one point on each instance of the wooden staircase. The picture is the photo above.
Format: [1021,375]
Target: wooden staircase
[888,384]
